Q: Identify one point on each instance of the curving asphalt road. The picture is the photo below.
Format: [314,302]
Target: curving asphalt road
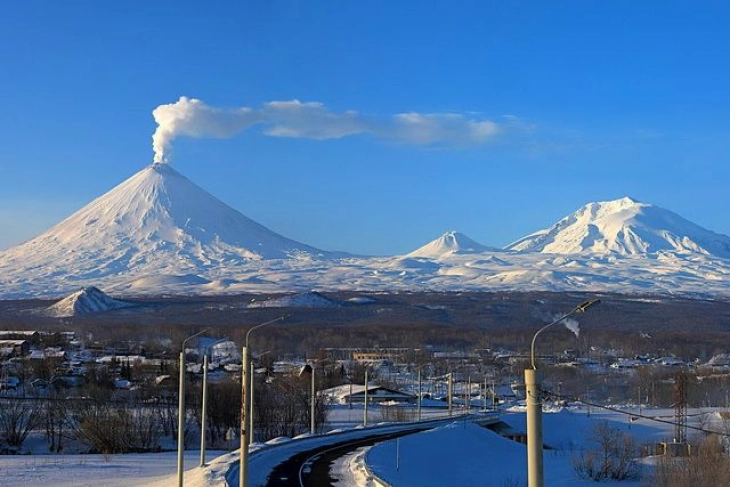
[310,458]
[312,468]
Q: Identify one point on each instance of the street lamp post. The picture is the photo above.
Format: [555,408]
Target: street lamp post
[309,369]
[420,395]
[204,412]
[533,396]
[365,409]
[311,405]
[243,461]
[247,429]
[181,411]
[450,393]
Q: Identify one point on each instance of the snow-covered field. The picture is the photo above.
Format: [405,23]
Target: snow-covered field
[466,454]
[459,453]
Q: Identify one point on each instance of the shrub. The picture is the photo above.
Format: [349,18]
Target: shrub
[613,456]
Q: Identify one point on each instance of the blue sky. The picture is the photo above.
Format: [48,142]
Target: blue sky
[589,101]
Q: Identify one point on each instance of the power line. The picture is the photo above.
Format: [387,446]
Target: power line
[635,415]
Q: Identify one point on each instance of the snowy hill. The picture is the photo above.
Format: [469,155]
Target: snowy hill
[85,301]
[300,300]
[449,243]
[625,227]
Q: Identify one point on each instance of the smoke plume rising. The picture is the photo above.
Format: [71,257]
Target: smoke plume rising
[573,326]
[189,117]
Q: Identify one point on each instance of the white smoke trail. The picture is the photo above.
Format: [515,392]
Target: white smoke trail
[573,326]
[190,117]
[193,118]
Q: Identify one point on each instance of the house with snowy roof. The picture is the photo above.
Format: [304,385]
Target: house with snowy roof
[355,394]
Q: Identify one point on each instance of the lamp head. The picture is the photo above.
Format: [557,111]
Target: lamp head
[582,307]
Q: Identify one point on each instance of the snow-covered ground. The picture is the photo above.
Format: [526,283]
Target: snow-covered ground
[464,453]
[99,470]
[458,453]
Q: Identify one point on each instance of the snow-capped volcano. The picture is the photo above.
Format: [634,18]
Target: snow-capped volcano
[158,233]
[156,222]
[625,227]
[449,243]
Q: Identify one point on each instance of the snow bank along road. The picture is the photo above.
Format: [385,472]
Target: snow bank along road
[281,464]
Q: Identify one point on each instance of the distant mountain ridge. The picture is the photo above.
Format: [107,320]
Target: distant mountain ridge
[159,233]
[626,227]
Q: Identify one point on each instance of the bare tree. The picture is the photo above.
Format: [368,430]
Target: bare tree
[613,456]
[56,419]
[224,410]
[283,407]
[112,428]
[18,418]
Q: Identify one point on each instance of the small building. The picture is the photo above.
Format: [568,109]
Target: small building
[355,394]
[15,348]
[376,356]
[29,335]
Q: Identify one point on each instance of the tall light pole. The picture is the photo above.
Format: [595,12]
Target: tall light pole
[204,412]
[311,406]
[365,409]
[533,397]
[420,395]
[181,411]
[450,392]
[246,429]
[309,369]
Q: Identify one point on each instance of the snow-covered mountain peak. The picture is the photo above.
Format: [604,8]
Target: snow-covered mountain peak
[619,208]
[626,227]
[157,222]
[449,243]
[158,210]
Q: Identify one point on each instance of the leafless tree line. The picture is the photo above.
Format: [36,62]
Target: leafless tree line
[104,422]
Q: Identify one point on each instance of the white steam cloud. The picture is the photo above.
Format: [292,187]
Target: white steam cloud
[190,117]
[573,326]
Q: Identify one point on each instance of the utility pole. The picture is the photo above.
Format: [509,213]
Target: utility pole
[181,421]
[251,404]
[204,412]
[468,395]
[680,407]
[243,460]
[533,400]
[419,394]
[181,411]
[450,392]
[365,410]
[311,405]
